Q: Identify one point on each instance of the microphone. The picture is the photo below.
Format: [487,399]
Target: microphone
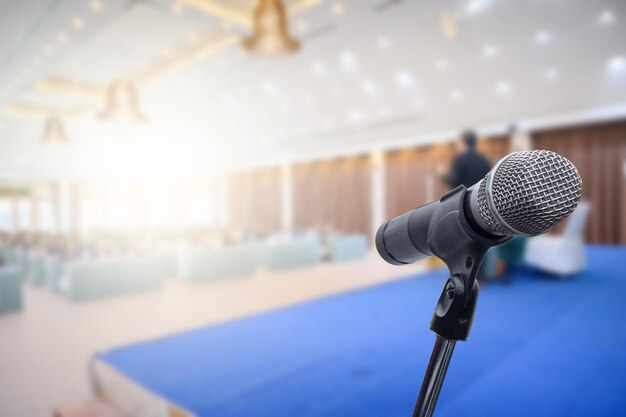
[525,194]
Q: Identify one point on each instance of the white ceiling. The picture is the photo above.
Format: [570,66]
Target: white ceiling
[379,74]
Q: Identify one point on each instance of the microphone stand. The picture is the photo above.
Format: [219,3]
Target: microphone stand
[456,242]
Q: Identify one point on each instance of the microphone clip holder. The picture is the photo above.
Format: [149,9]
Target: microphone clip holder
[453,239]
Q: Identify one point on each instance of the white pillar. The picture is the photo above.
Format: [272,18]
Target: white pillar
[286,197]
[64,196]
[222,201]
[378,190]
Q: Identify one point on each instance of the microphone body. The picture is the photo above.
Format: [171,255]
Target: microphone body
[525,194]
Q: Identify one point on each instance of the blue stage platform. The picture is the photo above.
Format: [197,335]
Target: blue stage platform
[540,347]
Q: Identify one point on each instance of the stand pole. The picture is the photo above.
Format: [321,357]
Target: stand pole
[435,373]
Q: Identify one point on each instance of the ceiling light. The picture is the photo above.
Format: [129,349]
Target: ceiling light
[457,96]
[270,34]
[369,88]
[356,116]
[230,102]
[542,37]
[338,9]
[383,42]
[36,62]
[336,92]
[319,69]
[348,62]
[122,102]
[442,64]
[302,25]
[177,7]
[270,88]
[606,18]
[49,50]
[503,88]
[490,51]
[383,111]
[550,74]
[96,5]
[476,6]
[54,130]
[62,37]
[448,26]
[418,105]
[617,65]
[405,80]
[78,22]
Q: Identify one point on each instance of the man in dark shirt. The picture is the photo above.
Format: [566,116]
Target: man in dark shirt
[468,166]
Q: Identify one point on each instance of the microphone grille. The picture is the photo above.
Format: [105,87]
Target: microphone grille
[528,193]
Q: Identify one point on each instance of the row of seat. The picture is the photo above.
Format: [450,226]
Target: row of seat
[87,279]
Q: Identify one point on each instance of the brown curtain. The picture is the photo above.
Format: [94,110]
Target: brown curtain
[254,200]
[412,177]
[599,153]
[333,194]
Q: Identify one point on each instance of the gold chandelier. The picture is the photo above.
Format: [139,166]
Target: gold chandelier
[122,102]
[53,130]
[270,34]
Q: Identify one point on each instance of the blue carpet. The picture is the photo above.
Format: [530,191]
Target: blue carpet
[539,347]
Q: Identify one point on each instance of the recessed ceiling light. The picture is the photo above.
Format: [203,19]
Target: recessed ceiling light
[49,50]
[383,42]
[62,37]
[503,88]
[617,65]
[606,18]
[336,92]
[542,37]
[319,69]
[405,80]
[442,64]
[369,88]
[230,101]
[476,6]
[356,116]
[270,88]
[418,104]
[383,111]
[338,9]
[96,5]
[78,22]
[302,25]
[193,38]
[550,74]
[348,62]
[489,51]
[177,7]
[457,96]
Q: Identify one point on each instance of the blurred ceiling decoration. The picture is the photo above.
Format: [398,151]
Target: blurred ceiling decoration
[69,87]
[38,111]
[219,9]
[448,26]
[271,33]
[187,57]
[122,102]
[54,131]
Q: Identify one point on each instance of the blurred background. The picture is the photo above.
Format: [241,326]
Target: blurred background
[173,170]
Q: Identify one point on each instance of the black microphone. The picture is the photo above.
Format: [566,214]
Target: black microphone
[525,194]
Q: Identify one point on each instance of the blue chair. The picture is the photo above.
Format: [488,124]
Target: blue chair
[10,289]
[224,262]
[348,247]
[294,253]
